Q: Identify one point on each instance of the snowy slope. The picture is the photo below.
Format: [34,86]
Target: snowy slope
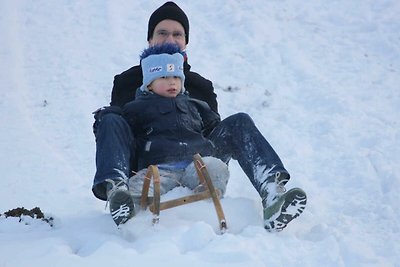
[320,79]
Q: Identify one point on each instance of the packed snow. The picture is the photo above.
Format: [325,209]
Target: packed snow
[320,79]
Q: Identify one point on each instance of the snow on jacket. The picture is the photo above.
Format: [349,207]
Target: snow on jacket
[126,83]
[169,129]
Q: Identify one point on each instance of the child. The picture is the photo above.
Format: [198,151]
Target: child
[169,127]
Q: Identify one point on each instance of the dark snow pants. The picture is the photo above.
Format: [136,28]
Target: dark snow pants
[235,137]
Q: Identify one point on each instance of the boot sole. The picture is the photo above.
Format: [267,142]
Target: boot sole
[122,207]
[283,211]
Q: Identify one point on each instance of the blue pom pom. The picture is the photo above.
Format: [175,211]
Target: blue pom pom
[167,48]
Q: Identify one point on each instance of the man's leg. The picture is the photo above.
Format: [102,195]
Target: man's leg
[237,137]
[114,143]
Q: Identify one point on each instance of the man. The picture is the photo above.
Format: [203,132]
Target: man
[167,24]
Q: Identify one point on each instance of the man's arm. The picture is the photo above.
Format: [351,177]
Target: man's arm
[125,85]
[202,89]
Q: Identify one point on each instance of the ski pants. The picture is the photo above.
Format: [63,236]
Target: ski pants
[235,137]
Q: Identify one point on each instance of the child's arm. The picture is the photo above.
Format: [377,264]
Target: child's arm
[209,117]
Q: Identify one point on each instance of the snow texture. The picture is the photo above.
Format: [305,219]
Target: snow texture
[320,79]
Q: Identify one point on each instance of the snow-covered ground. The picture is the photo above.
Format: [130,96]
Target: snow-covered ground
[320,79]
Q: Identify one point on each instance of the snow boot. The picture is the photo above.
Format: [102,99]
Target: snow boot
[120,200]
[281,207]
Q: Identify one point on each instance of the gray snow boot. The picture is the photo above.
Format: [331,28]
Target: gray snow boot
[281,207]
[120,200]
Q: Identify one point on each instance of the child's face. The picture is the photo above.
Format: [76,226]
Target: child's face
[166,86]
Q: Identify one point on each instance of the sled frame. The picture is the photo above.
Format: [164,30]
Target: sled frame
[204,177]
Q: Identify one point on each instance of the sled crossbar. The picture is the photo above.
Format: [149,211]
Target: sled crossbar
[156,205]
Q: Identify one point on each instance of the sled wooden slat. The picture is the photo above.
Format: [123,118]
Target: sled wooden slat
[146,186]
[156,200]
[203,173]
[182,201]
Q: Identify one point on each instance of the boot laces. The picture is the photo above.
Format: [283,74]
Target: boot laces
[120,183]
[274,188]
[280,184]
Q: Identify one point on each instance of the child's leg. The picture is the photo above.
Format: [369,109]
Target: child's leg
[168,181]
[217,169]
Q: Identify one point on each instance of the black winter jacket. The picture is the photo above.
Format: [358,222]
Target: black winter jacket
[126,83]
[169,129]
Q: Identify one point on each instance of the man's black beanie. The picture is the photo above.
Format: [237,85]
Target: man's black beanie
[171,11]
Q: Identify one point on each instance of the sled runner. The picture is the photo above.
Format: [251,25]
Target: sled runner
[156,205]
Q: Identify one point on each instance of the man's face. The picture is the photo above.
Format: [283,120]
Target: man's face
[169,31]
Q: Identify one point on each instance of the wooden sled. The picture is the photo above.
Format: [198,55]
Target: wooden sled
[156,206]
